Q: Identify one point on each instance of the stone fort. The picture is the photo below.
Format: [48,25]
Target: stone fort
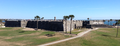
[56,25]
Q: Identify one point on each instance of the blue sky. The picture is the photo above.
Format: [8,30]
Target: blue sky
[82,9]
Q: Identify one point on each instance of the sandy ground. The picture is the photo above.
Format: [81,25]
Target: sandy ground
[30,29]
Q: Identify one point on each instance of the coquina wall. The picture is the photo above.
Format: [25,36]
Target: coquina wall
[23,23]
[13,23]
[47,25]
[75,24]
[52,25]
[96,22]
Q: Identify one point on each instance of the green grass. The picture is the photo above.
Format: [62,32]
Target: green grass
[7,28]
[42,41]
[67,36]
[15,32]
[47,32]
[35,41]
[100,37]
[73,32]
[29,38]
[76,31]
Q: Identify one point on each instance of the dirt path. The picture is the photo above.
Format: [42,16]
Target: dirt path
[30,29]
[79,35]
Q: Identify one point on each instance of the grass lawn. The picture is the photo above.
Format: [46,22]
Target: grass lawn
[76,31]
[15,36]
[100,37]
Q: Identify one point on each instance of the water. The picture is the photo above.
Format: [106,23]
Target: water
[110,22]
[3,21]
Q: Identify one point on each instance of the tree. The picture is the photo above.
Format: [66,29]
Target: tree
[111,20]
[0,20]
[103,20]
[65,18]
[71,17]
[37,18]
[108,22]
[117,23]
[88,19]
[42,18]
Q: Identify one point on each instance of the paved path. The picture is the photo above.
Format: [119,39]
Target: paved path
[79,35]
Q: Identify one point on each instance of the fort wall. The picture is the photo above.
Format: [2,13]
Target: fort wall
[96,22]
[47,25]
[53,25]
[75,24]
[13,23]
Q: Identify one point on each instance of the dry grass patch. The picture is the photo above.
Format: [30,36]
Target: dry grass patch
[16,28]
[4,43]
[57,34]
[33,34]
[29,29]
[76,31]
[3,37]
[1,30]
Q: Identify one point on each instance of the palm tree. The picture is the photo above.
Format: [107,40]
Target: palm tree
[103,20]
[71,16]
[117,23]
[108,22]
[0,20]
[37,18]
[42,18]
[65,18]
[88,19]
[111,20]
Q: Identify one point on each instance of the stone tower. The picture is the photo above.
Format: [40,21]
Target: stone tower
[54,18]
[23,23]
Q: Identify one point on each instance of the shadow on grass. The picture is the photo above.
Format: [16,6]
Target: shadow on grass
[50,35]
[107,35]
[21,31]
